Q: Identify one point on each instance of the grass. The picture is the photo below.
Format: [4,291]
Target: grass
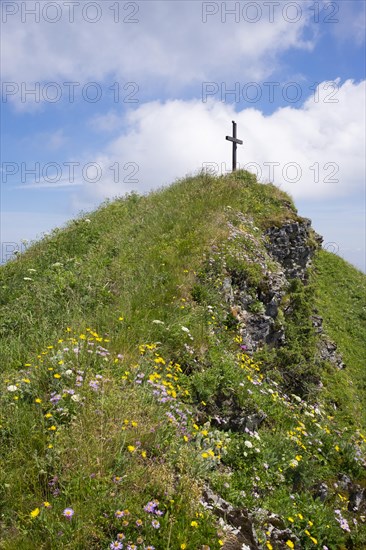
[118,350]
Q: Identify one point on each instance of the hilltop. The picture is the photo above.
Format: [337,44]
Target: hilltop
[183,370]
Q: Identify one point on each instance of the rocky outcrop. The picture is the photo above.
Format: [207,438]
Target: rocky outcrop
[293,245]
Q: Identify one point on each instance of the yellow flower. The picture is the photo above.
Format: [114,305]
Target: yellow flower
[337,448]
[290,544]
[46,504]
[34,513]
[57,375]
[183,546]
[52,428]
[38,400]
[204,455]
[194,524]
[291,519]
[131,448]
[26,380]
[48,415]
[314,540]
[50,446]
[269,545]
[300,516]
[143,454]
[185,438]
[120,318]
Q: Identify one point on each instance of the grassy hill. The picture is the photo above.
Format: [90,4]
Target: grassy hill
[118,346]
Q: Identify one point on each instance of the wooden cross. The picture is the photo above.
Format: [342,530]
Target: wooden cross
[235,142]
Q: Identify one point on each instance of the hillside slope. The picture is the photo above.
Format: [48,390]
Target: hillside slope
[167,382]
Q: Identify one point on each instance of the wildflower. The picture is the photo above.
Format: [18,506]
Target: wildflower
[53,428]
[131,448]
[121,536]
[47,504]
[248,444]
[57,375]
[12,388]
[34,513]
[291,519]
[155,524]
[290,544]
[194,524]
[139,523]
[183,546]
[119,514]
[269,545]
[143,454]
[38,400]
[116,544]
[68,513]
[151,547]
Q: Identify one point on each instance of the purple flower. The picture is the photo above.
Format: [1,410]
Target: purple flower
[68,513]
[116,544]
[55,399]
[155,524]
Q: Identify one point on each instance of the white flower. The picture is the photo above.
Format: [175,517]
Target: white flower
[248,444]
[12,388]
[76,397]
[68,372]
[157,322]
[27,279]
[87,220]
[57,264]
[31,270]
[185,329]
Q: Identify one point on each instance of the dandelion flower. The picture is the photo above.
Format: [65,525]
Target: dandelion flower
[131,448]
[290,544]
[68,513]
[34,513]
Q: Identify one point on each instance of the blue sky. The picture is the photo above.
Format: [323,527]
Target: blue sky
[131,95]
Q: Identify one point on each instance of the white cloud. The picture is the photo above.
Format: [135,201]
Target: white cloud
[169,46]
[324,142]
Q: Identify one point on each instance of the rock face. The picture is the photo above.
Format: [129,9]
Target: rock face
[289,250]
[289,245]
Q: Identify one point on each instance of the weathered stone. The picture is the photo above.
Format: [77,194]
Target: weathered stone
[357,499]
[236,523]
[291,245]
[328,352]
[321,491]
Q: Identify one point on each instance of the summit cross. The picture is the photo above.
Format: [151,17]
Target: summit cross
[235,142]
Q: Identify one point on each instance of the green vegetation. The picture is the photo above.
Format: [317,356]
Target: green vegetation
[120,354]
[341,301]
